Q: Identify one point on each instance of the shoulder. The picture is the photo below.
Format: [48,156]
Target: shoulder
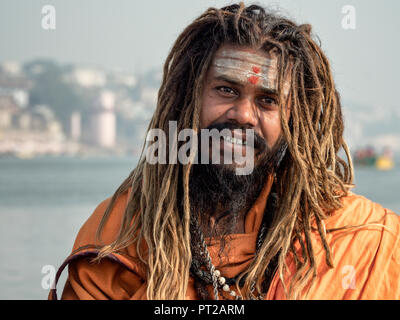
[87,279]
[364,238]
[367,222]
[87,233]
[357,210]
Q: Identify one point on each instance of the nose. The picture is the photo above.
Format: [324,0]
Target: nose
[242,112]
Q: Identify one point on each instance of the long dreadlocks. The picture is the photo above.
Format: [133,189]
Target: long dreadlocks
[310,180]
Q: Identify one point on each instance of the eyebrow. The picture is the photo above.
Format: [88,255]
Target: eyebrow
[239,83]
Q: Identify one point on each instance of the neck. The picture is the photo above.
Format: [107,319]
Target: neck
[221,222]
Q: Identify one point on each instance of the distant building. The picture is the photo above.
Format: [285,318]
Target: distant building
[12,68]
[14,95]
[8,108]
[15,86]
[123,79]
[103,120]
[24,120]
[76,130]
[87,77]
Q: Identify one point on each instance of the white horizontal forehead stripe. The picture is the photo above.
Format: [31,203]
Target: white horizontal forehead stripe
[247,56]
[241,66]
[244,66]
[242,70]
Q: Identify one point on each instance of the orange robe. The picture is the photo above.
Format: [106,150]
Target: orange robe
[366,260]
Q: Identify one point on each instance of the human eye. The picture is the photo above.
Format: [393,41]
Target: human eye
[226,91]
[268,101]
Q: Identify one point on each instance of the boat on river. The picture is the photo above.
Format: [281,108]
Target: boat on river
[368,157]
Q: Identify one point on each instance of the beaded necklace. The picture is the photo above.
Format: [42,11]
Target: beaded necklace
[213,276]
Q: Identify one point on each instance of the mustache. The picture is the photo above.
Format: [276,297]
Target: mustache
[259,142]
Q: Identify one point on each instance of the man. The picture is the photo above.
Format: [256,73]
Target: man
[289,229]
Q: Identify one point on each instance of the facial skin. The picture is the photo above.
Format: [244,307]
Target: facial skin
[241,88]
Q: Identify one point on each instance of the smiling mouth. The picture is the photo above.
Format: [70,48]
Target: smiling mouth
[236,141]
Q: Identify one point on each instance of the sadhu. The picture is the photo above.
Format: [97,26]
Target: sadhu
[289,229]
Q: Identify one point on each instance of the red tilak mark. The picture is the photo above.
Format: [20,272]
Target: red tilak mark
[253,79]
[256,69]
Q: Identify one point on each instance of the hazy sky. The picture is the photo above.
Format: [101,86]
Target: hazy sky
[137,35]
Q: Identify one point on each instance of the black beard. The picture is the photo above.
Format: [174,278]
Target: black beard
[215,186]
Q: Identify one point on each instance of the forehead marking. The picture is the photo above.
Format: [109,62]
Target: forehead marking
[251,67]
[252,58]
[253,79]
[256,69]
[246,66]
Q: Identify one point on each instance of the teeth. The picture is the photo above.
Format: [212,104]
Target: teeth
[234,140]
